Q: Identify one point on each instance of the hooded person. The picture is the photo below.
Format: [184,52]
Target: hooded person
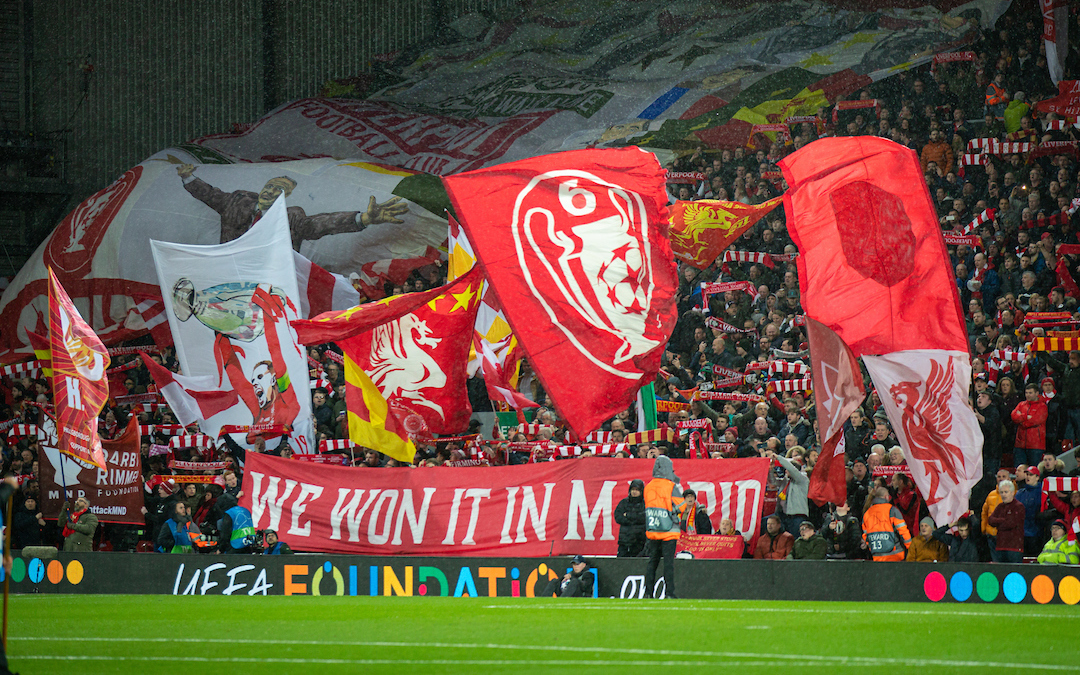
[630,515]
[236,528]
[664,507]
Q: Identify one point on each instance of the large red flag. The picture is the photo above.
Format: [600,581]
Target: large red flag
[872,261]
[418,360]
[80,385]
[405,360]
[575,246]
[838,391]
[701,230]
[874,269]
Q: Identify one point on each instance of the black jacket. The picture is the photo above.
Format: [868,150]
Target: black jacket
[960,550]
[630,515]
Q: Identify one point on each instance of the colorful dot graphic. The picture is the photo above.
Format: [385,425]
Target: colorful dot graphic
[1042,589]
[960,586]
[987,587]
[934,586]
[1014,587]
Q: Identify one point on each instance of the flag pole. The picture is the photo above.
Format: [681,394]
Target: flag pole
[7,574]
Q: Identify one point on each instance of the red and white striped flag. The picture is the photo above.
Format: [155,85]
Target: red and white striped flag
[322,291]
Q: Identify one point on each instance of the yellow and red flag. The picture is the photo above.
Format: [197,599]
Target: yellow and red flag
[701,230]
[405,361]
[80,386]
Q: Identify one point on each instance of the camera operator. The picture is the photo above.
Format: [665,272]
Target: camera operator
[275,546]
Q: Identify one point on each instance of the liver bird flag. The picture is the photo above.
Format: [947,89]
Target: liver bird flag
[874,269]
[80,386]
[702,229]
[575,246]
[405,360]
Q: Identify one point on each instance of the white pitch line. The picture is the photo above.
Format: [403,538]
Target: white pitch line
[803,659]
[413,662]
[788,610]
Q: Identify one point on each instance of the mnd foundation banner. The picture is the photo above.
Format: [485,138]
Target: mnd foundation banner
[541,509]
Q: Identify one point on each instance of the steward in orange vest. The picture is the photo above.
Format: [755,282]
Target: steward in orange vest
[664,507]
[884,530]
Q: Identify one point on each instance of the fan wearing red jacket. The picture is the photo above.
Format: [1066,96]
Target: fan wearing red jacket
[1030,418]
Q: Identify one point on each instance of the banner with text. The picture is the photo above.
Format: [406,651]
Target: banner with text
[537,509]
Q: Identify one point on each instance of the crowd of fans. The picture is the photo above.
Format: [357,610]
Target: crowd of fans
[1028,403]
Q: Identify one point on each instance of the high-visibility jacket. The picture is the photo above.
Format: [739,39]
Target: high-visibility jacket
[664,507]
[885,532]
[1062,552]
[995,95]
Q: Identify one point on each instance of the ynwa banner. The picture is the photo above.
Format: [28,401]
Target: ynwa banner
[550,508]
[115,492]
[229,307]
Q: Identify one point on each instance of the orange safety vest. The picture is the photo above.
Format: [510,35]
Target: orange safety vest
[663,510]
[885,532]
[995,95]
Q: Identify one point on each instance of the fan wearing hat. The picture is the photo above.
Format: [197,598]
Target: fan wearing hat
[810,545]
[577,583]
[924,547]
[1070,390]
[1060,550]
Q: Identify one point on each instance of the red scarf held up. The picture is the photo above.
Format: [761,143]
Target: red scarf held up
[72,518]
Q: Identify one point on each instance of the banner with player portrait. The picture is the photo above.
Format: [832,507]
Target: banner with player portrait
[229,307]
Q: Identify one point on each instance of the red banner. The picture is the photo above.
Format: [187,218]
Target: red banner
[115,493]
[548,508]
[712,545]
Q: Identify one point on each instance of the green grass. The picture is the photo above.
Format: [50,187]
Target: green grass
[142,634]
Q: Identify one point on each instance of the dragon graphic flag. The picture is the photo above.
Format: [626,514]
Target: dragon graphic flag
[701,230]
[80,386]
[925,395]
[575,246]
[874,269]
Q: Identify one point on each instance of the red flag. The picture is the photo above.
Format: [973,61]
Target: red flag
[191,398]
[873,265]
[575,246]
[80,385]
[838,391]
[1065,278]
[336,326]
[497,373]
[874,269]
[701,230]
[417,361]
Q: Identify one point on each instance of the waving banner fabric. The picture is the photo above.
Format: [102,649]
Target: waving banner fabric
[549,508]
[575,247]
[229,307]
[874,270]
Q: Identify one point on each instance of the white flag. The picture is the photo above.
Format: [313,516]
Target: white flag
[925,395]
[229,308]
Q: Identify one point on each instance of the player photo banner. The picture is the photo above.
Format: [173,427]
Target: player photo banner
[115,492]
[541,509]
[80,385]
[575,246]
[229,307]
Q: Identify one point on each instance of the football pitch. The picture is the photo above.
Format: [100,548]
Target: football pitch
[136,634]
